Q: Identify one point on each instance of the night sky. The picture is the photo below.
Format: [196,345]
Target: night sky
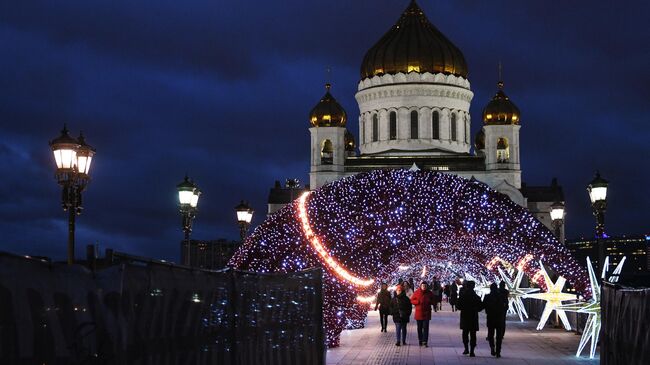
[222,90]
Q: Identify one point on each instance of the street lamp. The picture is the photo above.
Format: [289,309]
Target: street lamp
[188,199]
[597,190]
[244,217]
[72,158]
[557,218]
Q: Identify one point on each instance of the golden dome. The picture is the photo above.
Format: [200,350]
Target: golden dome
[413,44]
[350,145]
[500,110]
[328,112]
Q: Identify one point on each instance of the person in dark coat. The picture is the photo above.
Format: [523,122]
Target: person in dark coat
[505,296]
[453,295]
[437,293]
[400,308]
[383,303]
[495,310]
[469,304]
[423,300]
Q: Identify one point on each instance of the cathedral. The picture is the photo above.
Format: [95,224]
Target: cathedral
[414,99]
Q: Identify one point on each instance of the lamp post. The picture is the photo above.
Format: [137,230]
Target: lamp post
[557,218]
[597,190]
[244,217]
[73,158]
[188,200]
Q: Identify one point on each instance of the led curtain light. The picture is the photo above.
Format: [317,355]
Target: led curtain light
[365,228]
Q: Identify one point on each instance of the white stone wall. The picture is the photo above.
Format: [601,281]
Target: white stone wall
[424,93]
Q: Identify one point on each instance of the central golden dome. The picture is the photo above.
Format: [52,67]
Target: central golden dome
[413,44]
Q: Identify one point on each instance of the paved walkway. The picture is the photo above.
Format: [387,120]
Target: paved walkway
[522,345]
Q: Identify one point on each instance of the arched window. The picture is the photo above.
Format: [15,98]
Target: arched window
[414,125]
[392,120]
[363,129]
[503,150]
[453,127]
[375,128]
[435,125]
[327,153]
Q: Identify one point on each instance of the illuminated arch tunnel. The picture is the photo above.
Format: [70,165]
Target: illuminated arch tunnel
[361,229]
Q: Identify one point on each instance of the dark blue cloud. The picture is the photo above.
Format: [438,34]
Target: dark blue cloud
[222,90]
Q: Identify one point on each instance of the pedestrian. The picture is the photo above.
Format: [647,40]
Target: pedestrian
[400,308]
[383,303]
[436,293]
[495,310]
[469,304]
[505,294]
[408,289]
[423,300]
[453,295]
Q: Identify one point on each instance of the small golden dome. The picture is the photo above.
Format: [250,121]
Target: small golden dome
[328,112]
[350,145]
[479,141]
[413,44]
[500,110]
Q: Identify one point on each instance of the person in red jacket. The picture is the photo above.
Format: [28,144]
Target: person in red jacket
[424,300]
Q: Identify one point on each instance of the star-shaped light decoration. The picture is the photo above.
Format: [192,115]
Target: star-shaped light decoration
[592,307]
[481,287]
[516,293]
[554,298]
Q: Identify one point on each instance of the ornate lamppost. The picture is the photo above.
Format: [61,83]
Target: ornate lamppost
[244,217]
[188,199]
[73,158]
[597,190]
[557,219]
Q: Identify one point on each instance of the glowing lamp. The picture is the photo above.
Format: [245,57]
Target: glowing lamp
[64,149]
[186,192]
[598,189]
[244,213]
[85,154]
[195,198]
[557,211]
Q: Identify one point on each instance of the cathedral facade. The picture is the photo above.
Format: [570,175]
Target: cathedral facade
[414,99]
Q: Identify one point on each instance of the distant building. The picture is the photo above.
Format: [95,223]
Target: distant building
[209,255]
[414,98]
[280,196]
[635,248]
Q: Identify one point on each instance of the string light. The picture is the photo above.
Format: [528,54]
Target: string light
[375,222]
[318,246]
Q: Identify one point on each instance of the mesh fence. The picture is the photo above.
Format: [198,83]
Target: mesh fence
[625,336]
[135,314]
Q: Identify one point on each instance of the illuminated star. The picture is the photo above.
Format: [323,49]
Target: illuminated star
[554,298]
[516,293]
[592,307]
